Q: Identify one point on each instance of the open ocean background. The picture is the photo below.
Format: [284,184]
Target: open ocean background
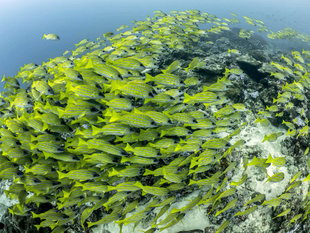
[22,23]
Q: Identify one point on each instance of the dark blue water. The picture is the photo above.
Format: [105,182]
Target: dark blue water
[22,23]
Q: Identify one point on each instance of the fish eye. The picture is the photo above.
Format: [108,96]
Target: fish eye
[54,183]
[141,172]
[153,123]
[218,98]
[169,121]
[195,121]
[36,180]
[75,158]
[182,82]
[151,94]
[120,76]
[18,143]
[48,131]
[19,173]
[96,175]
[124,153]
[93,109]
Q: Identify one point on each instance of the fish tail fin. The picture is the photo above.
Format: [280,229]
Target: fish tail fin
[115,117]
[32,146]
[81,142]
[79,132]
[174,210]
[147,100]
[193,163]
[90,224]
[124,159]
[95,130]
[59,205]
[138,184]
[46,154]
[89,64]
[61,175]
[265,138]
[26,169]
[151,144]
[113,172]
[148,172]
[162,133]
[148,78]
[115,86]
[38,227]
[61,112]
[32,138]
[34,215]
[44,36]
[177,148]
[191,182]
[191,171]
[128,147]
[227,71]
[187,98]
[45,126]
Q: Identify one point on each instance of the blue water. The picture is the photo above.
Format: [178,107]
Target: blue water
[22,23]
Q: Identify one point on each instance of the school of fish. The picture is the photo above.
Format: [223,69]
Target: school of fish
[111,127]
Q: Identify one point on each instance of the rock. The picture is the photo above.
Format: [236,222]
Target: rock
[209,230]
[192,231]
[250,66]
